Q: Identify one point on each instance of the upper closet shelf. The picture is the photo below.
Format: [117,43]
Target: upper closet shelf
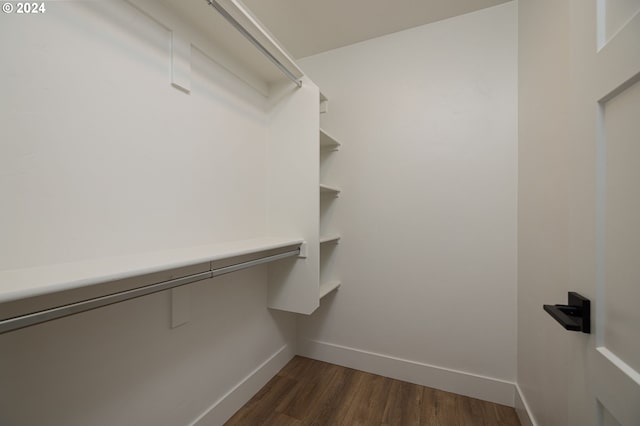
[326,140]
[329,189]
[226,31]
[29,290]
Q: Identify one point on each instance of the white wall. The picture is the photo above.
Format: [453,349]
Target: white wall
[543,218]
[101,156]
[428,168]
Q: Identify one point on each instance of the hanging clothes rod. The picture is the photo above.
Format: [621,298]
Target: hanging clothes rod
[226,15]
[27,320]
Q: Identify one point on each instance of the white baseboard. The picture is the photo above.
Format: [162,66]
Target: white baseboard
[522,408]
[225,407]
[472,385]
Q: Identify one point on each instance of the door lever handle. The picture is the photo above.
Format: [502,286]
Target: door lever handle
[575,316]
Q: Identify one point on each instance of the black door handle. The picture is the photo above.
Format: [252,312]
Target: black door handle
[575,316]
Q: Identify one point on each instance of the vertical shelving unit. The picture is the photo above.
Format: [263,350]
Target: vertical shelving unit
[329,239]
[293,203]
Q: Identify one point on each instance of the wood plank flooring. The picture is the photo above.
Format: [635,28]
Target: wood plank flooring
[309,392]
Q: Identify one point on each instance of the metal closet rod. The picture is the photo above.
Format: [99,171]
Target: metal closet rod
[89,304]
[254,41]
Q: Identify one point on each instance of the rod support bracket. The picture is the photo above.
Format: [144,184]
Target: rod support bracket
[304,250]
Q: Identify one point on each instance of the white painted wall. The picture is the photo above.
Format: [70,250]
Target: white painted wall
[543,216]
[428,168]
[101,156]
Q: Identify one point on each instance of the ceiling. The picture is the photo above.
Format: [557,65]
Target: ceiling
[306,27]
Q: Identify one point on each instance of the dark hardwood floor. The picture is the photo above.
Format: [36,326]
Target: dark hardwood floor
[310,392]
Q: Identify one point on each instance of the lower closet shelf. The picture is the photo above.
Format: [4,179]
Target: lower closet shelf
[33,295]
[328,287]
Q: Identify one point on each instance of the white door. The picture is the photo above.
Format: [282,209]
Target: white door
[604,251]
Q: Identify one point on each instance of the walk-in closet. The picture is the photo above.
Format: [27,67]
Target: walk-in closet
[273,212]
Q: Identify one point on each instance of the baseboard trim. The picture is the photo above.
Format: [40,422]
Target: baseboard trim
[225,407]
[472,385]
[523,410]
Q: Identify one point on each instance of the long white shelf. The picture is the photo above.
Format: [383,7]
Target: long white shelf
[329,189]
[328,287]
[206,29]
[328,141]
[333,238]
[19,284]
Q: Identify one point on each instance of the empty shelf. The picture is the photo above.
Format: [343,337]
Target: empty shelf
[324,103]
[33,295]
[328,141]
[239,40]
[328,287]
[329,239]
[329,189]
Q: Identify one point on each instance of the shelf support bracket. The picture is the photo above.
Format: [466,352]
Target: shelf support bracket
[180,63]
